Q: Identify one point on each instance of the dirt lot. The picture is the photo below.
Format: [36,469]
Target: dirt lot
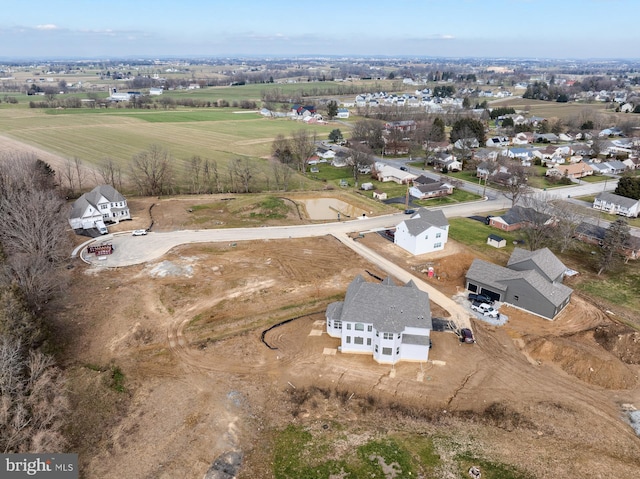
[198,382]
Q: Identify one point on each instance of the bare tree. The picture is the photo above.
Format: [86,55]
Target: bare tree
[539,220]
[33,403]
[152,171]
[303,146]
[516,186]
[67,175]
[360,158]
[194,174]
[211,176]
[80,172]
[243,172]
[567,219]
[110,172]
[281,175]
[615,238]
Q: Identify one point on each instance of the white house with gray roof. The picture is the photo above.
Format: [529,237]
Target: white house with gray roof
[393,323]
[531,281]
[103,204]
[425,231]
[616,204]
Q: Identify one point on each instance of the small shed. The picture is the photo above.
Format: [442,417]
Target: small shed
[496,241]
[380,195]
[366,186]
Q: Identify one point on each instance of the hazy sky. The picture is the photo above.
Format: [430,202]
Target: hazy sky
[456,28]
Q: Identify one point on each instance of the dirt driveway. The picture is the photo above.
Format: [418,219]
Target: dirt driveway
[185,330]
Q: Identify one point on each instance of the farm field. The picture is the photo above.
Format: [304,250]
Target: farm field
[220,135]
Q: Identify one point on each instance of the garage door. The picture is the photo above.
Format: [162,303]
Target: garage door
[491,294]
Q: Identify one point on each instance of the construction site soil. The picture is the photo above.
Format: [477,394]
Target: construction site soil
[168,371]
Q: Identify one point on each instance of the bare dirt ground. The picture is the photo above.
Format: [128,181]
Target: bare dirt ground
[185,332]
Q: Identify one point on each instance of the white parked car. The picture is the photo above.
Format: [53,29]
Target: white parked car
[485,309]
[139,232]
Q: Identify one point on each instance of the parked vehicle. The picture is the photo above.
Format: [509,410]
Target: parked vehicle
[404,168]
[466,336]
[485,309]
[482,298]
[409,212]
[139,232]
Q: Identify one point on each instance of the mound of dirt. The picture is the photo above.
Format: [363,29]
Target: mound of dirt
[580,356]
[621,341]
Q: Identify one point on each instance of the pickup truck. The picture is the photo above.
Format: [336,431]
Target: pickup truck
[485,309]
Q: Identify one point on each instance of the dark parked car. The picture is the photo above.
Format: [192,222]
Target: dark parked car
[409,212]
[466,336]
[404,168]
[482,298]
[487,220]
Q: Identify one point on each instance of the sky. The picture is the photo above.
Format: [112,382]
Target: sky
[97,29]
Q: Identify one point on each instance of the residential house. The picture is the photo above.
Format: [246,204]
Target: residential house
[384,173]
[485,154]
[546,138]
[392,323]
[155,91]
[498,141]
[101,205]
[593,234]
[341,159]
[517,217]
[424,232]
[402,125]
[466,143]
[447,162]
[325,153]
[616,204]
[432,189]
[343,113]
[616,166]
[574,170]
[523,138]
[532,281]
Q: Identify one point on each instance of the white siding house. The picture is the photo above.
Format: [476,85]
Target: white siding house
[392,323]
[103,204]
[426,231]
[621,205]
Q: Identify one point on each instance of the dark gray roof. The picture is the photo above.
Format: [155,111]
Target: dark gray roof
[617,199]
[388,307]
[93,197]
[498,279]
[428,188]
[519,214]
[424,180]
[543,258]
[496,238]
[423,219]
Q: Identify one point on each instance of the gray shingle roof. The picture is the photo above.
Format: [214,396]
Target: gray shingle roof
[388,307]
[543,258]
[92,198]
[617,199]
[498,278]
[423,219]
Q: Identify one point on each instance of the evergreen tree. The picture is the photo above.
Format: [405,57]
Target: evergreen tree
[628,187]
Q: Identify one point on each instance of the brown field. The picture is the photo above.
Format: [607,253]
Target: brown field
[185,331]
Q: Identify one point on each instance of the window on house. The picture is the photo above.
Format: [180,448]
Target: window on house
[398,350]
[368,341]
[337,324]
[387,335]
[369,328]
[438,235]
[437,245]
[348,339]
[387,351]
[359,327]
[358,340]
[516,298]
[377,334]
[348,325]
[399,335]
[376,348]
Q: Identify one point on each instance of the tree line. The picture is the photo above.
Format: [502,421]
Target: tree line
[33,248]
